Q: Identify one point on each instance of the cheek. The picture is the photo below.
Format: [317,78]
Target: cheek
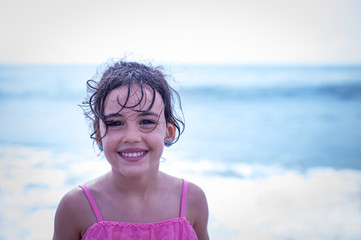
[162,131]
[102,130]
[104,138]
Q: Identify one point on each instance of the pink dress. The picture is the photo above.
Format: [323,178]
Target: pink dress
[171,229]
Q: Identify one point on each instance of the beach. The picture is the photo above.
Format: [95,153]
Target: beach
[276,149]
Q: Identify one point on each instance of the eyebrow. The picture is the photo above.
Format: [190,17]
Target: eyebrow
[141,114]
[149,113]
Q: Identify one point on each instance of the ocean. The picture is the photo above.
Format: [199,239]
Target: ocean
[276,148]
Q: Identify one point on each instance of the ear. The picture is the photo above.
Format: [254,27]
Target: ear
[96,127]
[171,131]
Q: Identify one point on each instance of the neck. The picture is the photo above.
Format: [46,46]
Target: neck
[134,186]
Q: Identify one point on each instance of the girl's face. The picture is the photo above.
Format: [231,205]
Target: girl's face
[134,140]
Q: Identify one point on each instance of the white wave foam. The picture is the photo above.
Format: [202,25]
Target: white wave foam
[245,201]
[274,203]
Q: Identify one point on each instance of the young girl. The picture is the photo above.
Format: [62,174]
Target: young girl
[132,114]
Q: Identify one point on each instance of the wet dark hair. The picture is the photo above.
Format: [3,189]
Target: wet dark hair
[128,74]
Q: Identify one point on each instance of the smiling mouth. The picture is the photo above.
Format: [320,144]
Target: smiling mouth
[132,154]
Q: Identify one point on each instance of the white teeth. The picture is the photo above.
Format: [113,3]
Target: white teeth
[135,154]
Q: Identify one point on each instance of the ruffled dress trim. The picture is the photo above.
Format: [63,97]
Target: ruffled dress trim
[172,229]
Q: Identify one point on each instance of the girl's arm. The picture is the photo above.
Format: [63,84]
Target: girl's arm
[67,217]
[198,211]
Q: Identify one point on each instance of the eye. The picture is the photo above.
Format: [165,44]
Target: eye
[147,122]
[114,123]
[147,125]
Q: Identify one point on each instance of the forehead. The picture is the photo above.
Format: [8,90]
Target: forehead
[134,98]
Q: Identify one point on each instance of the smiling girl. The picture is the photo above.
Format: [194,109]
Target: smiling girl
[133,117]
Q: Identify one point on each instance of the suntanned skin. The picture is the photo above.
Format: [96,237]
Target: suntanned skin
[75,215]
[131,191]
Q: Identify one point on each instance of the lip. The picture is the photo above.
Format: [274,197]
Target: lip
[132,154]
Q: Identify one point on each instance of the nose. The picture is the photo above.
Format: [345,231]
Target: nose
[131,134]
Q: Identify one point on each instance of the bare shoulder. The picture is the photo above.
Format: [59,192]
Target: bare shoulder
[196,196]
[197,210]
[72,215]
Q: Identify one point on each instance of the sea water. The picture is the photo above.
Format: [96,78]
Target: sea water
[277,149]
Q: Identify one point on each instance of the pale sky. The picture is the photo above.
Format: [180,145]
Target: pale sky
[217,31]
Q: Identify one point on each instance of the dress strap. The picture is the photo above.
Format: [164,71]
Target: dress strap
[92,203]
[184,198]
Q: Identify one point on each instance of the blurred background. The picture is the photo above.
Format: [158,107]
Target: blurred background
[271,93]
